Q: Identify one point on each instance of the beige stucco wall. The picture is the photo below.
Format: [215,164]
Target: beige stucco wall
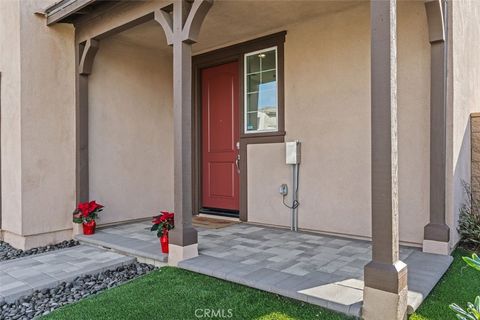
[10,119]
[327,108]
[327,67]
[38,104]
[130,131]
[266,172]
[465,98]
[327,103]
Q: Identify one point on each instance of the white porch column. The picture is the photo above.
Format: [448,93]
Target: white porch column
[385,292]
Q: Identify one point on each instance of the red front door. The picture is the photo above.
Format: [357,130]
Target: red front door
[220,133]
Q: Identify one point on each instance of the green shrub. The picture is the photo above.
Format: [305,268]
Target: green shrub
[473,309]
[472,312]
[469,220]
[473,262]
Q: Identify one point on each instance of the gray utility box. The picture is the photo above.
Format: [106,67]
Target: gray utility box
[293,155]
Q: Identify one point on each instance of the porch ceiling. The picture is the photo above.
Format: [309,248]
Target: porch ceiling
[235,21]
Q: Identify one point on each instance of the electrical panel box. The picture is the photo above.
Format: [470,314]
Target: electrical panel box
[293,154]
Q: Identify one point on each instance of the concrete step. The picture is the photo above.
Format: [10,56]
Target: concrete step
[144,251]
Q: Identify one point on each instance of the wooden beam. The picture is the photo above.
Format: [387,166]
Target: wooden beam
[126,26]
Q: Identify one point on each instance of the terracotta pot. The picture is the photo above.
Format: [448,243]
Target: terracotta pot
[164,242]
[89,227]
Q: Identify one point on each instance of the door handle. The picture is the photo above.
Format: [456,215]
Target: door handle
[237,163]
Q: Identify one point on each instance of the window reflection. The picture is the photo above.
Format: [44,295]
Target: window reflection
[261,101]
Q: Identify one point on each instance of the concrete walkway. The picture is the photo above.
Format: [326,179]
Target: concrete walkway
[20,277]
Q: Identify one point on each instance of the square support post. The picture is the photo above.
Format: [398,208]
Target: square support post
[85,53]
[436,232]
[182,27]
[183,239]
[82,139]
[385,292]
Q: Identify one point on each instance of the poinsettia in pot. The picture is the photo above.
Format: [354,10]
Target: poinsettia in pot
[86,213]
[162,224]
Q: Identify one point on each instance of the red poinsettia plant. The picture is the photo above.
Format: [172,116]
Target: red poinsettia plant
[163,223]
[86,212]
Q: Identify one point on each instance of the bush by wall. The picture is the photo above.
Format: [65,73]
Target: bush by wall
[469,221]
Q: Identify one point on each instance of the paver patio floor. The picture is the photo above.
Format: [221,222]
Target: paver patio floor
[323,270]
[20,277]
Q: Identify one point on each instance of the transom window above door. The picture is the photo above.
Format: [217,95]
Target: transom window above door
[261,91]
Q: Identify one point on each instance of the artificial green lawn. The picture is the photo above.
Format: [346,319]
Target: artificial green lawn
[171,293]
[459,285]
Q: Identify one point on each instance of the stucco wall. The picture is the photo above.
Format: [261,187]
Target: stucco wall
[10,111]
[130,131]
[327,79]
[266,172]
[465,99]
[38,107]
[327,105]
[48,118]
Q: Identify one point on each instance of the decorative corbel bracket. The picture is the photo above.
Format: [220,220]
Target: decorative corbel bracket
[88,56]
[195,18]
[436,22]
[164,17]
[191,28]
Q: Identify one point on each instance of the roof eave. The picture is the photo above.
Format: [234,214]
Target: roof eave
[62,10]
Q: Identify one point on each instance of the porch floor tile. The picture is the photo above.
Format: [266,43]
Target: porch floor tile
[318,269]
[322,270]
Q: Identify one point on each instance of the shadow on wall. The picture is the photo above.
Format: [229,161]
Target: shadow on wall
[462,172]
[130,131]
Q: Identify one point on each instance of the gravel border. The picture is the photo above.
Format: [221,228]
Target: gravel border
[42,302]
[7,252]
